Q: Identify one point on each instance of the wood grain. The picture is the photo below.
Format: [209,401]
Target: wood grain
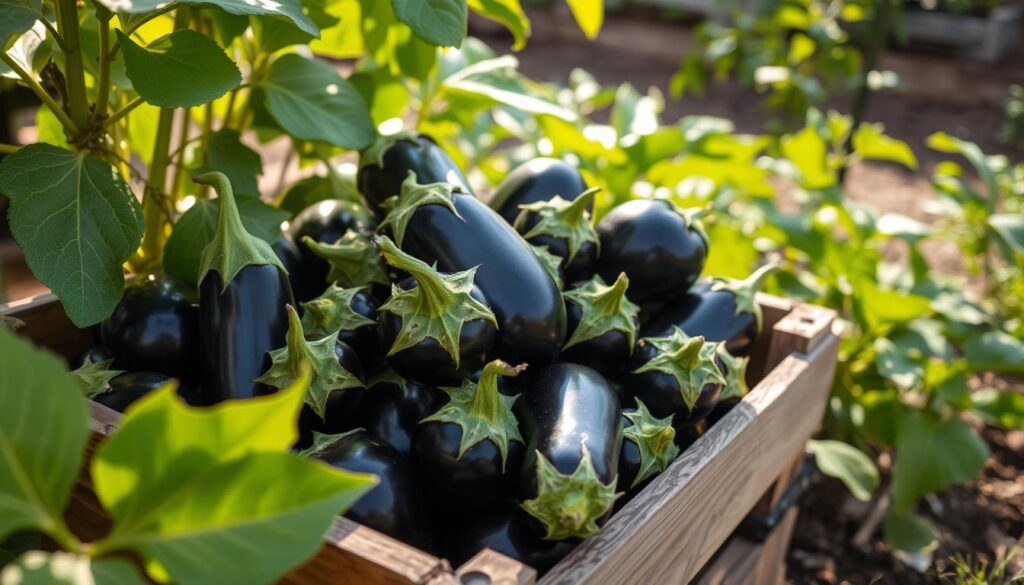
[492,568]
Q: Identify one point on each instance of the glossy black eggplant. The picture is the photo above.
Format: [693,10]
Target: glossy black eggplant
[468,450]
[539,179]
[654,243]
[353,262]
[392,407]
[565,228]
[352,314]
[725,310]
[388,161]
[94,354]
[127,388]
[394,506]
[291,258]
[648,447]
[458,232]
[324,222]
[602,325]
[155,327]
[571,420]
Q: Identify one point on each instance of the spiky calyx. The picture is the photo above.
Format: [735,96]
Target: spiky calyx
[735,374]
[401,207]
[690,360]
[604,308]
[482,411]
[232,248]
[436,308]
[93,378]
[332,312]
[693,217]
[324,441]
[570,505]
[567,220]
[746,291]
[374,154]
[654,437]
[353,260]
[327,376]
[387,376]
[551,263]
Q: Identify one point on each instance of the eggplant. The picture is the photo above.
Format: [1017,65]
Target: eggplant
[726,310]
[324,222]
[469,450]
[395,505]
[385,164]
[96,353]
[455,232]
[155,327]
[504,528]
[602,325]
[392,407]
[243,293]
[437,328]
[676,376]
[570,418]
[354,262]
[535,180]
[118,389]
[564,227]
[352,314]
[648,447]
[735,370]
[657,246]
[291,258]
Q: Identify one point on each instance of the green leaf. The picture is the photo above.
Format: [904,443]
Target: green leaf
[196,227]
[63,568]
[290,9]
[1003,408]
[847,464]
[995,351]
[31,51]
[439,22]
[499,81]
[910,532]
[241,164]
[17,16]
[43,430]
[870,142]
[1010,230]
[943,142]
[931,456]
[315,189]
[312,102]
[77,221]
[589,15]
[808,151]
[200,63]
[507,12]
[877,307]
[895,364]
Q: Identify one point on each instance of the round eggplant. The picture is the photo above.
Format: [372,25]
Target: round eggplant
[155,328]
[676,376]
[392,407]
[648,447]
[571,420]
[352,313]
[563,226]
[656,245]
[602,325]
[536,180]
[388,161]
[324,222]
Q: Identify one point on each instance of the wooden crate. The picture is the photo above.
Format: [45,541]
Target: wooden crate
[666,534]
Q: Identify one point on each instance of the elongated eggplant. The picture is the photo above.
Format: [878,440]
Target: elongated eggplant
[536,180]
[353,261]
[735,370]
[243,293]
[438,224]
[324,222]
[388,161]
[602,325]
[291,258]
[394,506]
[564,227]
[676,376]
[392,407]
[469,450]
[727,310]
[352,314]
[656,245]
[648,447]
[570,418]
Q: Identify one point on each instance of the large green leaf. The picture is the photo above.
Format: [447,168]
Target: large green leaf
[847,464]
[931,456]
[898,365]
[290,9]
[507,12]
[62,568]
[77,221]
[589,15]
[312,102]
[870,142]
[995,351]
[204,70]
[1004,408]
[241,164]
[1009,227]
[43,430]
[807,150]
[943,142]
[498,80]
[878,307]
[31,51]
[196,227]
[910,532]
[17,16]
[439,22]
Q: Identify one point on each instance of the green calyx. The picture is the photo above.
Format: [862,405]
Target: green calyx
[327,376]
[605,308]
[735,374]
[551,263]
[655,437]
[746,291]
[401,207]
[436,308]
[93,378]
[374,154]
[568,220]
[232,248]
[353,260]
[570,505]
[690,360]
[693,217]
[387,376]
[482,411]
[332,312]
[323,441]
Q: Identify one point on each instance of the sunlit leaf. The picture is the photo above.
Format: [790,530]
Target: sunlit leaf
[848,464]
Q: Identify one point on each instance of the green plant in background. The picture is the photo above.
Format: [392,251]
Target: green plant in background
[1012,131]
[967,571]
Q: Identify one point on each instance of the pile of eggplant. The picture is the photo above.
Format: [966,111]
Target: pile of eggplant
[510,370]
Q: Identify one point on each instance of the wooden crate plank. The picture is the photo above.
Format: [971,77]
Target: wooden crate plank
[492,568]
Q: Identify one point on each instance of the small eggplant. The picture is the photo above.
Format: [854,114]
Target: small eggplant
[648,447]
[571,420]
[391,408]
[437,328]
[155,328]
[352,313]
[324,222]
[117,389]
[469,450]
[387,162]
[394,506]
[656,245]
[602,325]
[735,370]
[536,180]
[243,293]
[726,311]
[676,376]
[564,227]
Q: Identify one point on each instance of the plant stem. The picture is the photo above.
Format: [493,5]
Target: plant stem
[138,101]
[74,69]
[103,84]
[8,148]
[179,167]
[150,16]
[53,33]
[40,92]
